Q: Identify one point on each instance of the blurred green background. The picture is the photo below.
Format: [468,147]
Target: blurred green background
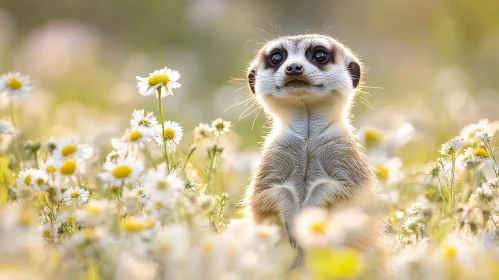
[432,63]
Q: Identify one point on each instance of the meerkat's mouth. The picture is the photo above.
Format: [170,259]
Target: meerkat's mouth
[298,83]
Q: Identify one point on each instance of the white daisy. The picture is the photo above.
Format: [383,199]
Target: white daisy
[483,126]
[267,233]
[48,232]
[312,227]
[482,136]
[141,119]
[66,217]
[138,135]
[388,169]
[355,226]
[417,209]
[136,224]
[453,145]
[141,195]
[173,241]
[25,177]
[31,179]
[164,78]
[203,131]
[15,84]
[158,206]
[123,170]
[70,148]
[220,126]
[75,195]
[412,224]
[50,166]
[114,155]
[40,179]
[69,168]
[171,135]
[7,133]
[94,213]
[483,194]
[159,181]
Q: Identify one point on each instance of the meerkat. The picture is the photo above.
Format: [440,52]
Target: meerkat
[311,158]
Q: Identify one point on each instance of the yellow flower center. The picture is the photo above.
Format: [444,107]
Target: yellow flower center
[68,167]
[450,251]
[50,169]
[46,233]
[74,195]
[133,225]
[219,126]
[144,122]
[93,209]
[68,150]
[40,181]
[14,83]
[348,264]
[164,246]
[27,179]
[158,78]
[168,134]
[149,223]
[121,171]
[162,185]
[481,152]
[318,227]
[382,172]
[208,248]
[71,219]
[263,234]
[87,232]
[372,136]
[24,219]
[158,205]
[135,135]
[429,193]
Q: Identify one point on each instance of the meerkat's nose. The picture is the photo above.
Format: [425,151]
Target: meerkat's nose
[294,69]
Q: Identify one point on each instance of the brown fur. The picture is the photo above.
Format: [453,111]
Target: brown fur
[311,158]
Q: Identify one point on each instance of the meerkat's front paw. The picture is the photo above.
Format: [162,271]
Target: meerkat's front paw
[325,192]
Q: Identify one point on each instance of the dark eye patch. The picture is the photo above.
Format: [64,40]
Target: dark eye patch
[275,59]
[320,56]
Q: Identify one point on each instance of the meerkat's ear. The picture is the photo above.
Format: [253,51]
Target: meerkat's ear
[354,70]
[251,80]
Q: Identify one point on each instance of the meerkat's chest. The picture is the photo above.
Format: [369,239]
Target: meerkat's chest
[301,161]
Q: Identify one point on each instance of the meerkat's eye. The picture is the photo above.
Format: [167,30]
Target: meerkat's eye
[320,56]
[275,58]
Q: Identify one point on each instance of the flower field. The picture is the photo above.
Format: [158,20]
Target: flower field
[143,207]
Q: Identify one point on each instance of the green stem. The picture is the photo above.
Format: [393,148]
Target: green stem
[211,167]
[189,155]
[453,171]
[149,157]
[492,156]
[12,115]
[35,154]
[161,119]
[15,144]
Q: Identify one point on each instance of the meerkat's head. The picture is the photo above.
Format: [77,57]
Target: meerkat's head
[311,69]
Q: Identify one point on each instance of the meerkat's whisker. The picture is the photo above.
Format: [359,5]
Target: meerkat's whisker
[239,103]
